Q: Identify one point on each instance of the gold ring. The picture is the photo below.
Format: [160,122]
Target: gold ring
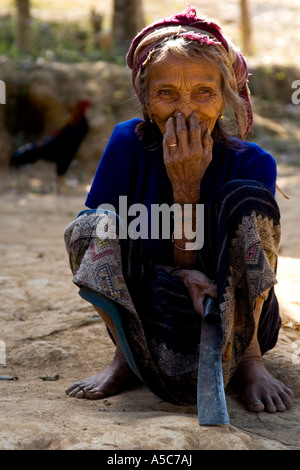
[172,145]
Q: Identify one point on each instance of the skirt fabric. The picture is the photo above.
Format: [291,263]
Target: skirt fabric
[155,321]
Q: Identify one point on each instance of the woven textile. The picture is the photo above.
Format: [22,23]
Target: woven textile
[162,329]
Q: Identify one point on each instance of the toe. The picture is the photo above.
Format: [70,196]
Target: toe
[255,405]
[269,404]
[287,399]
[278,403]
[95,394]
[290,394]
[70,389]
[76,392]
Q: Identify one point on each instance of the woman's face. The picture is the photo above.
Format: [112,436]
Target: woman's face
[178,84]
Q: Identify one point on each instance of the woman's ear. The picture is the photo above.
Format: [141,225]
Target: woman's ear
[222,106]
[147,112]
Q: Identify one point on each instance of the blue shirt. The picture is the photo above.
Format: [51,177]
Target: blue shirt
[128,169]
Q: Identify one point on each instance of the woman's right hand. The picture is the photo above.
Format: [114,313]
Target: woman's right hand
[187,150]
[198,286]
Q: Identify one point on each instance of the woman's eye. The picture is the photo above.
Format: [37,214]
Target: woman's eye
[203,92]
[165,93]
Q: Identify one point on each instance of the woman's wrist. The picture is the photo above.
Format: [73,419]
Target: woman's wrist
[186,211]
[186,198]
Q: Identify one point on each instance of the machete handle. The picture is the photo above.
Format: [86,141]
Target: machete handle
[210,313]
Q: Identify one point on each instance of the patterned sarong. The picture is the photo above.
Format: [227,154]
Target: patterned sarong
[154,317]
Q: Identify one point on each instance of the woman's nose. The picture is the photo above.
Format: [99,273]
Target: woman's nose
[187,108]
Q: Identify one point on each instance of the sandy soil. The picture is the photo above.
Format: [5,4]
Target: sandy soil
[50,333]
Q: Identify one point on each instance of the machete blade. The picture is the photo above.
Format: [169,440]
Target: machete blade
[212,409]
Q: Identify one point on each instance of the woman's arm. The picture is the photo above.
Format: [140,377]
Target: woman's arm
[187,153]
[117,171]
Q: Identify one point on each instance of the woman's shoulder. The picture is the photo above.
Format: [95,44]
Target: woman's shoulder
[126,129]
[250,161]
[243,156]
[124,140]
[249,151]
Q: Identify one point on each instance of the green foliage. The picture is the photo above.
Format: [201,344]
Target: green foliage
[54,40]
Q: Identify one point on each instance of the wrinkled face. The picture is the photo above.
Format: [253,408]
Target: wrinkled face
[178,84]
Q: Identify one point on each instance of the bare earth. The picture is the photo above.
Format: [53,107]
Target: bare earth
[50,332]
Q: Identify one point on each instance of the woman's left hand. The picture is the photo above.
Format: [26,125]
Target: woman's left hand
[197,284]
[187,153]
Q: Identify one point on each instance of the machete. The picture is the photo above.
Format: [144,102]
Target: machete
[211,400]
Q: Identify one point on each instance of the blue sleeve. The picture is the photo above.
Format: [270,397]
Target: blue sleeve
[260,166]
[117,170]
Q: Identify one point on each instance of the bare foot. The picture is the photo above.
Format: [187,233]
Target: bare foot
[260,391]
[114,379]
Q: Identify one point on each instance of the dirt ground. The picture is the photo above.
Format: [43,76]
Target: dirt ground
[53,338]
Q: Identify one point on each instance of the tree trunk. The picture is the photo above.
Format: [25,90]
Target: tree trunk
[23,11]
[128,20]
[246,28]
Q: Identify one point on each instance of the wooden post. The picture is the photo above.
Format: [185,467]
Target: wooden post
[23,12]
[128,20]
[246,28]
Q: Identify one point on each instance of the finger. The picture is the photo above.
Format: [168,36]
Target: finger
[203,128]
[169,139]
[195,131]
[207,140]
[181,130]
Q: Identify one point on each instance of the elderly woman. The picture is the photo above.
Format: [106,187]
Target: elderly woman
[190,151]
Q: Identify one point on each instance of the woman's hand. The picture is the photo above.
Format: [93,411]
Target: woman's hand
[198,286]
[187,153]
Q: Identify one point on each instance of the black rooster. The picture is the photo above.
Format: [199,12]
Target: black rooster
[59,147]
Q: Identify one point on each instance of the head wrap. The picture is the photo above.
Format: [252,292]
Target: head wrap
[195,29]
